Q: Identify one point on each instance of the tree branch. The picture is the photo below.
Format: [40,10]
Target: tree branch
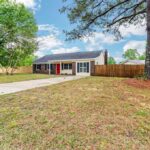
[98,4]
[104,13]
[127,17]
[134,7]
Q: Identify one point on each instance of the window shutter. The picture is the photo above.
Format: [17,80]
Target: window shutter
[45,66]
[88,67]
[51,67]
[78,67]
[70,66]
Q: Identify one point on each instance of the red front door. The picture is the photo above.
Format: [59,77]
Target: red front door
[57,69]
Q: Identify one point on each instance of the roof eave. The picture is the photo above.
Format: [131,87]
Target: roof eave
[65,60]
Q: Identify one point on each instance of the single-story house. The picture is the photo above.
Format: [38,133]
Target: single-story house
[79,63]
[134,62]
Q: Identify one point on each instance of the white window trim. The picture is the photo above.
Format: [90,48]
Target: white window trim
[83,67]
[67,67]
[83,73]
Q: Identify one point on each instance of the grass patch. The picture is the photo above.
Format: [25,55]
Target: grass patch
[22,77]
[143,113]
[90,113]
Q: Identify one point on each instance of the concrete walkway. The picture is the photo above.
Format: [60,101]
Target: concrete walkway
[14,87]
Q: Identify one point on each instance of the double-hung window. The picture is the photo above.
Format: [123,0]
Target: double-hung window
[66,66]
[83,67]
[38,67]
[47,66]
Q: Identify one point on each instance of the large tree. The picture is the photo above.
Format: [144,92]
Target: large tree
[28,61]
[142,57]
[107,15]
[17,34]
[131,54]
[111,60]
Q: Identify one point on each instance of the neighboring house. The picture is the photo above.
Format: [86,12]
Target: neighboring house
[134,62]
[79,63]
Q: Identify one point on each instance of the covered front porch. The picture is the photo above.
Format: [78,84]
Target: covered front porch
[64,68]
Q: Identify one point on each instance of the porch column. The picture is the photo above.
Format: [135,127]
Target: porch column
[60,67]
[49,68]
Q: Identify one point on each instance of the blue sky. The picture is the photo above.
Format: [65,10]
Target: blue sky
[52,40]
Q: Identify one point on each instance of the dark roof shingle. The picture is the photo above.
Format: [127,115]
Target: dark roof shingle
[68,56]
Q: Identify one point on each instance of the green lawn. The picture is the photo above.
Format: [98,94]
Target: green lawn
[87,114]
[22,77]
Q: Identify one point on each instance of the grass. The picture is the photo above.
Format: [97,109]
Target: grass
[21,77]
[90,113]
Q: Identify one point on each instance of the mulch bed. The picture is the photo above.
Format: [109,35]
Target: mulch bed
[138,83]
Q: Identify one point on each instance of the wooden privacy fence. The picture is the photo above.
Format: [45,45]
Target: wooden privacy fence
[118,70]
[23,69]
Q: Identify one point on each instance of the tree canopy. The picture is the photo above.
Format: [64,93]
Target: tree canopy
[133,54]
[143,56]
[28,61]
[17,33]
[111,60]
[106,15]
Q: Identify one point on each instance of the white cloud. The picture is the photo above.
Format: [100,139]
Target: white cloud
[48,42]
[27,3]
[52,43]
[118,59]
[101,38]
[33,4]
[97,40]
[65,50]
[39,54]
[139,45]
[138,29]
[51,29]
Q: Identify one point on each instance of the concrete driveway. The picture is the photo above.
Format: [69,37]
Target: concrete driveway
[14,87]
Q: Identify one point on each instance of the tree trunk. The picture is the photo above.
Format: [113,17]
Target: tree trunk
[12,71]
[7,72]
[147,61]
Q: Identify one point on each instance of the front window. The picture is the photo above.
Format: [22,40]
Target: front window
[38,67]
[46,66]
[66,66]
[83,67]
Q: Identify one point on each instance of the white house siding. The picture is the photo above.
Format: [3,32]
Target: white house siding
[100,60]
[66,71]
[83,73]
